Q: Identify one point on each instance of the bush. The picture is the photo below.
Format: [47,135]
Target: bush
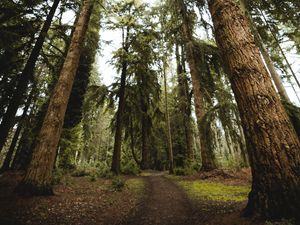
[183,171]
[104,171]
[131,168]
[82,172]
[93,177]
[57,176]
[118,184]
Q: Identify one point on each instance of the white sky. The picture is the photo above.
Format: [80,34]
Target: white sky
[108,73]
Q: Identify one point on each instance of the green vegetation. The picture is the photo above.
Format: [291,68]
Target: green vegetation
[214,191]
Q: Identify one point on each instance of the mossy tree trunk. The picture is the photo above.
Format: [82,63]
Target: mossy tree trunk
[37,180]
[273,146]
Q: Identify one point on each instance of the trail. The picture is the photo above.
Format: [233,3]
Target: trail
[164,204]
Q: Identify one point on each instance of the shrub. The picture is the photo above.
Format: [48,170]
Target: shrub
[118,184]
[82,172]
[183,171]
[57,176]
[131,168]
[93,177]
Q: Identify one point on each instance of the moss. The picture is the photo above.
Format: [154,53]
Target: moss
[135,184]
[214,191]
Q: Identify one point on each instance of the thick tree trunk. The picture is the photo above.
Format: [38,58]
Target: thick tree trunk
[38,177]
[116,160]
[25,77]
[269,63]
[207,154]
[273,146]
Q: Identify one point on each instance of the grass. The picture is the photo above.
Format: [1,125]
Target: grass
[135,184]
[214,191]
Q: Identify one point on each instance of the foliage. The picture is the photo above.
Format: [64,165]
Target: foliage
[131,168]
[118,183]
[57,176]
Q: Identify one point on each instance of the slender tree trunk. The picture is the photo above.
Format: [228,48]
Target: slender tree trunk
[132,144]
[269,63]
[116,160]
[280,49]
[170,147]
[38,176]
[207,155]
[184,101]
[145,164]
[273,146]
[8,158]
[25,77]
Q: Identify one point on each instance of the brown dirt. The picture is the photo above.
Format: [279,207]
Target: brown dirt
[78,202]
[82,202]
[167,204]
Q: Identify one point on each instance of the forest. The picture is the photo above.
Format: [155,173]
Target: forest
[162,112]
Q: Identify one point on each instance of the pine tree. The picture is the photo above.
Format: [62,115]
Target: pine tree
[273,146]
[38,176]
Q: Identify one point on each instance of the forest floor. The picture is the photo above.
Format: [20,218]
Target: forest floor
[153,198]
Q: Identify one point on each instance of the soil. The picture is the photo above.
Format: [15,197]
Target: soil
[82,202]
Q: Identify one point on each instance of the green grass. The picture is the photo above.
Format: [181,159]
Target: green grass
[135,184]
[214,191]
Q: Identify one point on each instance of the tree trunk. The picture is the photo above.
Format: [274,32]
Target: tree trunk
[269,63]
[185,103]
[38,176]
[116,160]
[8,158]
[273,146]
[207,155]
[145,164]
[138,162]
[280,49]
[170,147]
[25,77]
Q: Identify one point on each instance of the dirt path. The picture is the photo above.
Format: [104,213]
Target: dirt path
[165,204]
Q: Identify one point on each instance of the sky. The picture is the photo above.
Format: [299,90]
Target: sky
[108,73]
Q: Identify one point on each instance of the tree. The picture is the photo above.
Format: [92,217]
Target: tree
[25,77]
[207,156]
[38,176]
[272,143]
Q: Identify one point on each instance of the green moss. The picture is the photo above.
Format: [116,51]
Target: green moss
[135,184]
[214,191]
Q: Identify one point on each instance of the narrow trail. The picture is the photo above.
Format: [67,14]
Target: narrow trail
[164,204]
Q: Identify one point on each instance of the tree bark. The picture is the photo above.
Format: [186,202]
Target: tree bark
[116,160]
[207,155]
[8,158]
[169,135]
[269,63]
[25,77]
[37,180]
[273,146]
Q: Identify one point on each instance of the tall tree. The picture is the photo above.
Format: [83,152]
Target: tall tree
[27,74]
[269,63]
[273,146]
[38,176]
[207,155]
